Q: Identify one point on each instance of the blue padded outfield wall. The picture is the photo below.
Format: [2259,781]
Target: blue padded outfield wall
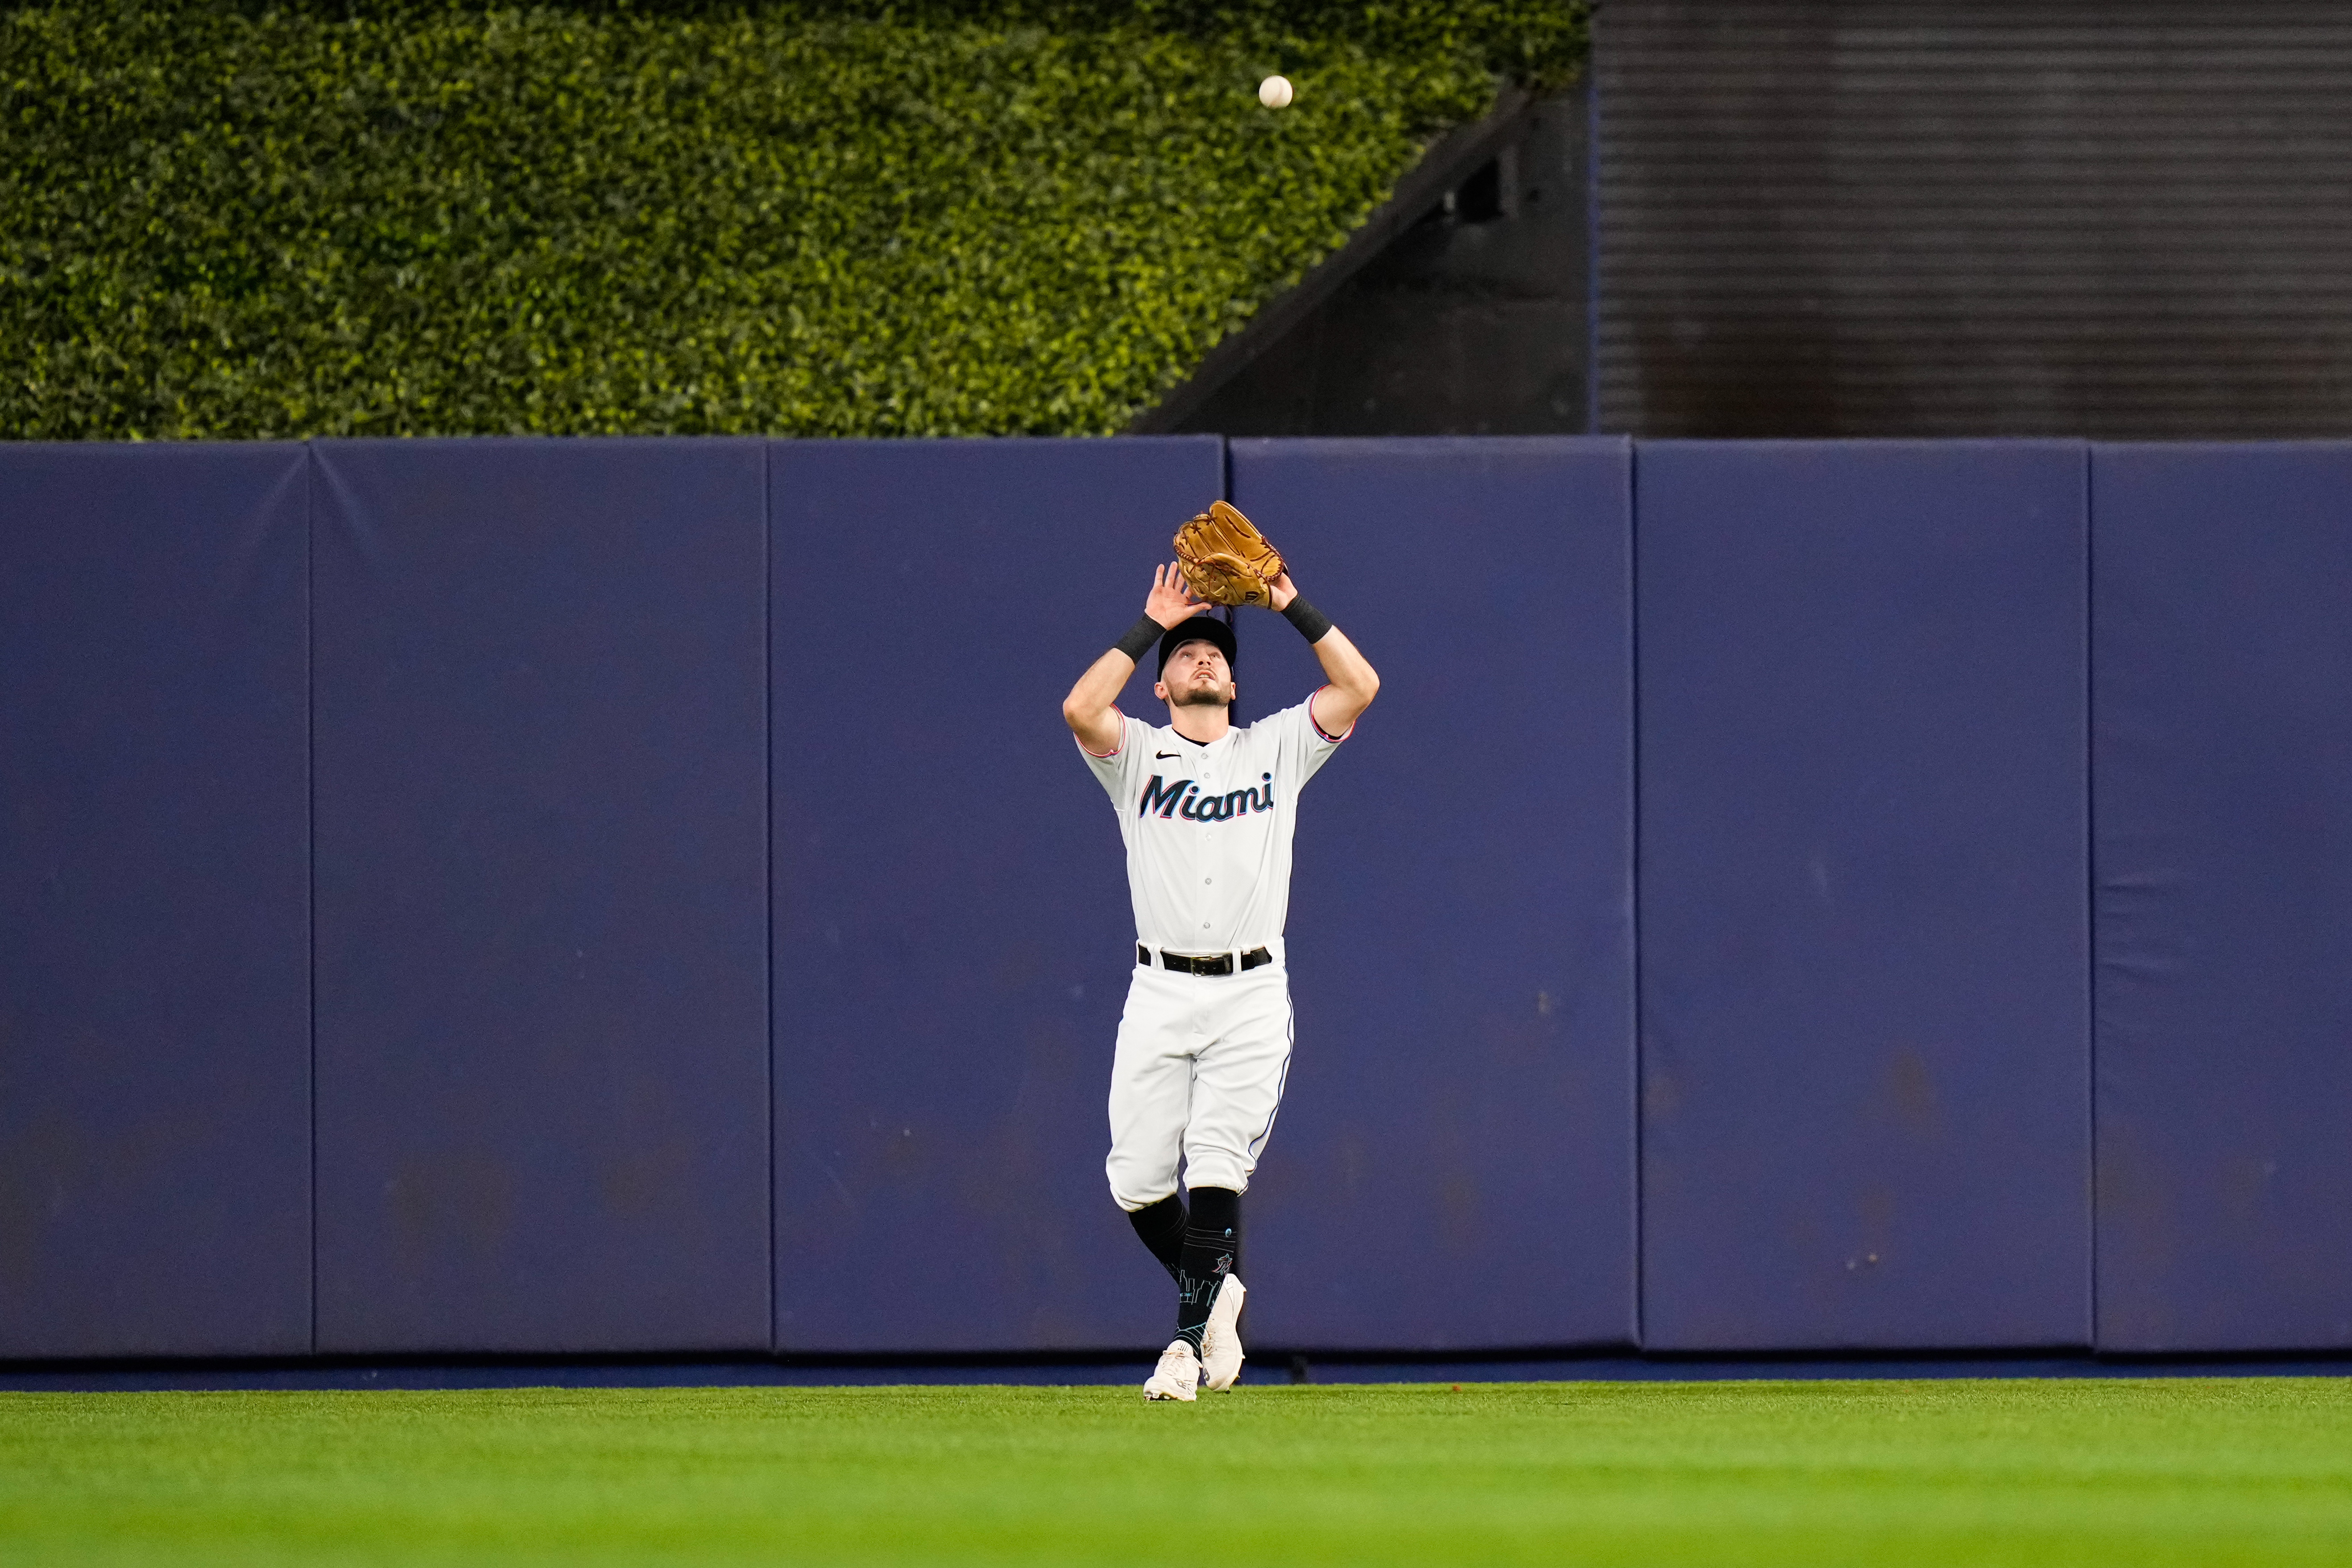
[540,739]
[952,931]
[1461,946]
[2222,647]
[154,901]
[1864,995]
[952,936]
[571,897]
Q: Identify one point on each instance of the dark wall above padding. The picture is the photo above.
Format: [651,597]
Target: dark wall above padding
[543,1029]
[1864,932]
[1454,1167]
[154,893]
[1974,218]
[2222,753]
[953,933]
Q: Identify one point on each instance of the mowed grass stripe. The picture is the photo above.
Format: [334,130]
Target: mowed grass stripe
[2160,1470]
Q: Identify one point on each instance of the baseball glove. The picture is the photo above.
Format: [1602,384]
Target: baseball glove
[1226,559]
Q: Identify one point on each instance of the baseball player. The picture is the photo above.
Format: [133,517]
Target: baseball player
[1207,811]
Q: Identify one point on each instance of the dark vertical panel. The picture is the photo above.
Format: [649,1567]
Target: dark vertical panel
[2222,650]
[541,738]
[953,934]
[1975,217]
[1863,890]
[1454,1167]
[155,902]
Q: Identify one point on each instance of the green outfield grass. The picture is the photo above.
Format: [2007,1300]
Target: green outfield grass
[2137,1471]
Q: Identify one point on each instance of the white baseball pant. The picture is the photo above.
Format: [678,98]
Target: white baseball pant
[1197,1075]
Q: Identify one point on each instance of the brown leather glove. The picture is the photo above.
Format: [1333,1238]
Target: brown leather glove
[1226,559]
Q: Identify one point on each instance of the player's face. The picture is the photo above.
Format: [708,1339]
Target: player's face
[1196,676]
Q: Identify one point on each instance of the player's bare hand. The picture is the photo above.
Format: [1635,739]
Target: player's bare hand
[1172,597]
[1279,596]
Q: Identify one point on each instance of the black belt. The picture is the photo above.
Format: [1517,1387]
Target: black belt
[1221,964]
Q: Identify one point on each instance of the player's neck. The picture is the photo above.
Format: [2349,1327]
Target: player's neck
[1204,723]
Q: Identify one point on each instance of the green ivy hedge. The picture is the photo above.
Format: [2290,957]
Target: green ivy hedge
[223,220]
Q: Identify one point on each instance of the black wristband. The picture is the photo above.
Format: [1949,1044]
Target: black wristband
[1139,636]
[1311,622]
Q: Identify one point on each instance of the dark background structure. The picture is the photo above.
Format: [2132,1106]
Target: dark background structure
[1474,320]
[1875,217]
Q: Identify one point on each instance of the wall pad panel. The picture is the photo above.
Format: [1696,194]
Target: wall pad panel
[2222,642]
[154,892]
[540,748]
[1864,926]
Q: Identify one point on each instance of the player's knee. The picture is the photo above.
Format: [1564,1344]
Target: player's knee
[1133,1188]
[1133,1201]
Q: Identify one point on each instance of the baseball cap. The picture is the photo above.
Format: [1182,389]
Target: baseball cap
[1202,628]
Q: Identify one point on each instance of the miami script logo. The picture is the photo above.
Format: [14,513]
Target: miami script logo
[1183,797]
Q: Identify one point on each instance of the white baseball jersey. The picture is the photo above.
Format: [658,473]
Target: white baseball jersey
[1209,826]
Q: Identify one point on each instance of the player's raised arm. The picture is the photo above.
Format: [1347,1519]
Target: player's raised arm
[1354,682]
[1087,710]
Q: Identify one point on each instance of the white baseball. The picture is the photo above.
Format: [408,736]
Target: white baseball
[1274,92]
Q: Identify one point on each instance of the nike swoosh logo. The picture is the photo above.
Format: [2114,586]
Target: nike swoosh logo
[1162,756]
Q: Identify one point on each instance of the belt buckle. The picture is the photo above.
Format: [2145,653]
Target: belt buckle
[1185,964]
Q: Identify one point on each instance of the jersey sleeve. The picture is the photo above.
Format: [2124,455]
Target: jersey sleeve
[1306,744]
[1116,770]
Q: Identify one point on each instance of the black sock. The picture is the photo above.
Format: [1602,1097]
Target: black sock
[1162,1227]
[1211,1233]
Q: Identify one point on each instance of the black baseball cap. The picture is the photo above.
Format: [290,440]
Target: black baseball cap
[1202,628]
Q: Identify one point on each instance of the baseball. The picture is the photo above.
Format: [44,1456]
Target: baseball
[1274,92]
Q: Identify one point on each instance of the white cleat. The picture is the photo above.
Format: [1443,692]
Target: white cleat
[1221,1345]
[1178,1375]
